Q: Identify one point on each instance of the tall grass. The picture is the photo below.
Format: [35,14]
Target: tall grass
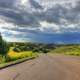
[19,55]
[12,55]
[68,50]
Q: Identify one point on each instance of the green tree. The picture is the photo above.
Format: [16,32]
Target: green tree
[3,46]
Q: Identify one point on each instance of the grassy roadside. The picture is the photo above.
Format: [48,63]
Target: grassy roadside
[7,64]
[12,60]
[13,57]
[67,50]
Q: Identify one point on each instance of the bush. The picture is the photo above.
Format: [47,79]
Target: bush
[35,50]
[7,58]
[45,51]
[16,49]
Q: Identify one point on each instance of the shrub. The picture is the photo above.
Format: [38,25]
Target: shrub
[16,49]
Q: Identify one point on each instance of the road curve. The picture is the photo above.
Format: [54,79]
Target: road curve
[46,67]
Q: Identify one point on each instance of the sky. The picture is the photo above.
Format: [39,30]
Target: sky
[46,21]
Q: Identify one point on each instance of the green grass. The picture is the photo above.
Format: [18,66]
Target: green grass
[13,57]
[19,55]
[67,50]
[6,64]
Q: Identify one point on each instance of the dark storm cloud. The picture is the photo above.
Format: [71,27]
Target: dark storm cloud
[19,18]
[14,15]
[21,15]
[7,3]
[35,4]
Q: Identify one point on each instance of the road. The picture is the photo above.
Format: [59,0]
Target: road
[46,67]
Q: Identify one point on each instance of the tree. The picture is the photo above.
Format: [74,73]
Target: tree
[3,46]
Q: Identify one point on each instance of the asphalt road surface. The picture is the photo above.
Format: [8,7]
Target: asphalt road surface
[46,67]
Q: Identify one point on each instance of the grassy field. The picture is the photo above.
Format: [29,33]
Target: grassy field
[67,50]
[28,51]
[13,56]
[19,55]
